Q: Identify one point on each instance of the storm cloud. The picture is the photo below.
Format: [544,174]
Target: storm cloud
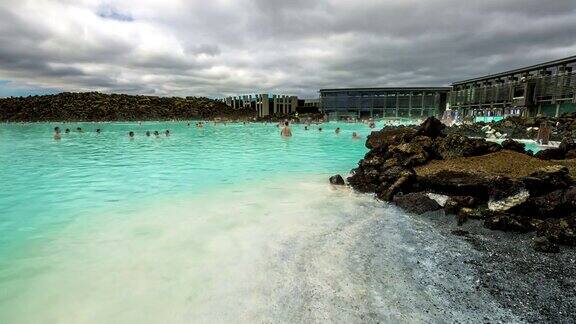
[225,47]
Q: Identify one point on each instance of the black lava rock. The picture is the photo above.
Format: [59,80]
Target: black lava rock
[542,244]
[512,145]
[417,203]
[337,180]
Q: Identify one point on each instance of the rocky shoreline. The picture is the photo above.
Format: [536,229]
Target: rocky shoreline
[521,128]
[535,287]
[94,106]
[429,168]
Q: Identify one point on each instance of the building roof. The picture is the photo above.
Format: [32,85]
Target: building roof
[545,65]
[388,89]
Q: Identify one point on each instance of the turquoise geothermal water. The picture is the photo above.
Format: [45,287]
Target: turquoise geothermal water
[227,223]
[99,228]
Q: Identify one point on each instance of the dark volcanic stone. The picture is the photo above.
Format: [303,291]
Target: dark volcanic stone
[372,160]
[475,213]
[500,187]
[451,207]
[365,179]
[409,154]
[555,204]
[455,145]
[394,180]
[387,170]
[567,144]
[513,145]
[337,180]
[396,172]
[390,136]
[551,154]
[455,203]
[426,142]
[560,231]
[547,180]
[404,183]
[456,183]
[466,213]
[507,223]
[431,127]
[542,244]
[417,203]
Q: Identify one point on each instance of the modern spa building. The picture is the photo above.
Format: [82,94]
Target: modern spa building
[308,106]
[265,104]
[384,102]
[547,88]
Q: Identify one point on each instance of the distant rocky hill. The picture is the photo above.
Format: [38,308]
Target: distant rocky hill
[94,106]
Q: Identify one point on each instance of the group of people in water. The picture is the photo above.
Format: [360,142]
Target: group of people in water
[286,131]
[148,134]
[58,133]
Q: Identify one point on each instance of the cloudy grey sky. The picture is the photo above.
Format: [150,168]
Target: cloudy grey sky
[221,47]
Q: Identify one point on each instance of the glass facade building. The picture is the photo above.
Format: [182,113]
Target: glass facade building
[547,88]
[384,102]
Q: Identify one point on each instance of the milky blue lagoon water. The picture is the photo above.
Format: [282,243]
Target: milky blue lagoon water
[227,223]
[60,196]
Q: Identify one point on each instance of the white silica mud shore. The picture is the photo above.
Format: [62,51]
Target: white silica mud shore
[307,252]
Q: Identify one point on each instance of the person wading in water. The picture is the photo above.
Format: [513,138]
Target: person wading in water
[286,131]
[57,135]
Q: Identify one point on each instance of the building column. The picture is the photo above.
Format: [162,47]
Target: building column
[384,104]
[423,102]
[479,95]
[496,93]
[557,109]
